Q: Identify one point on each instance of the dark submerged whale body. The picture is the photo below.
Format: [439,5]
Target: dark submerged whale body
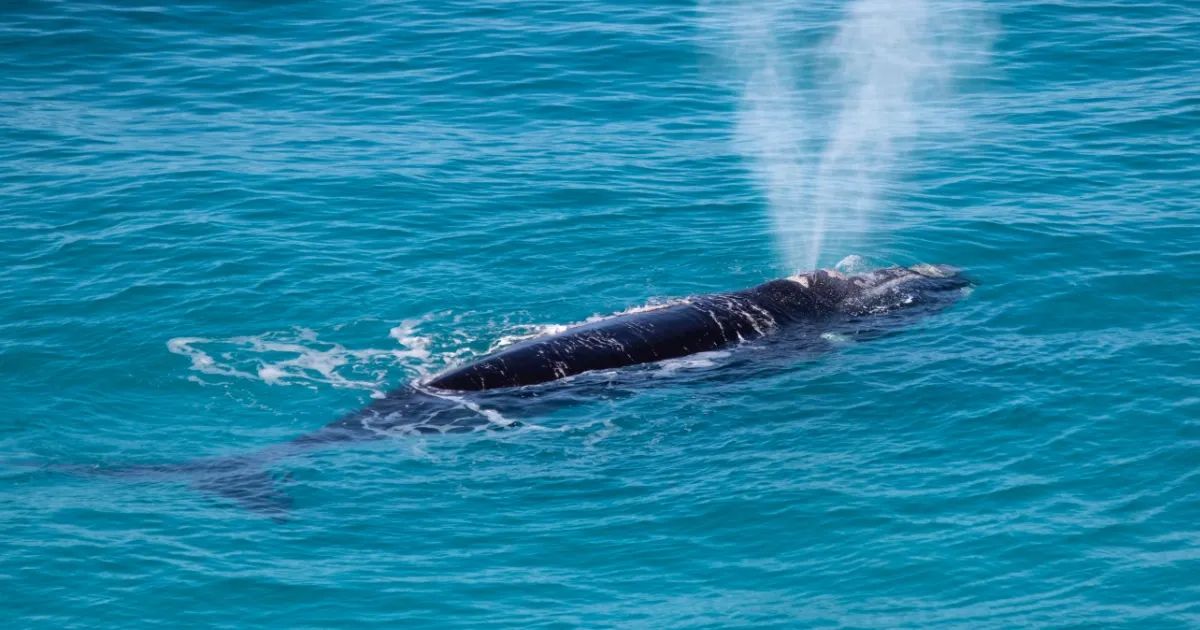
[801,310]
[700,324]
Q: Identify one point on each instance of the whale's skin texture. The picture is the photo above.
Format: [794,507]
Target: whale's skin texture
[699,324]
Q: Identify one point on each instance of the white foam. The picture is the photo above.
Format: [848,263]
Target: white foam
[525,332]
[493,416]
[201,361]
[835,338]
[406,334]
[299,357]
[697,361]
[270,374]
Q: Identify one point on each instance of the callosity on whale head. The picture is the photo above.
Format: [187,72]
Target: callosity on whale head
[884,290]
[896,288]
[936,271]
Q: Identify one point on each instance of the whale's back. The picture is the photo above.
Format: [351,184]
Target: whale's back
[700,325]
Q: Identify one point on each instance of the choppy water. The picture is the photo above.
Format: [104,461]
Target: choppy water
[227,223]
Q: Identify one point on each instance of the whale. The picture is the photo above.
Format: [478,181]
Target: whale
[806,311]
[801,314]
[701,324]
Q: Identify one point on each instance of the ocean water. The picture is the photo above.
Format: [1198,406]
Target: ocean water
[227,223]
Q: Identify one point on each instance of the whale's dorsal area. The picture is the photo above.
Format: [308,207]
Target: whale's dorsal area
[700,324]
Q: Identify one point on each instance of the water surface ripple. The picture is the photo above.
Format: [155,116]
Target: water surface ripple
[226,223]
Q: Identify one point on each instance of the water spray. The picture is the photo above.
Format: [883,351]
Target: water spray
[827,125]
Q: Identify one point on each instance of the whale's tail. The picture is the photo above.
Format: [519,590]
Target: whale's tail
[247,481]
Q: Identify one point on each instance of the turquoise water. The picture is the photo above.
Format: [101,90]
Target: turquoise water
[228,223]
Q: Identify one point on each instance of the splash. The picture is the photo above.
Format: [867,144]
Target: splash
[830,108]
[299,357]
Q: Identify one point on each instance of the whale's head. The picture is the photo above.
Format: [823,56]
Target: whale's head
[900,288]
[886,290]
